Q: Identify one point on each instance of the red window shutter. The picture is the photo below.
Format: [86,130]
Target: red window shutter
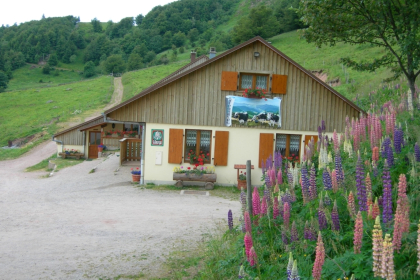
[221,148]
[279,84]
[266,147]
[176,137]
[229,80]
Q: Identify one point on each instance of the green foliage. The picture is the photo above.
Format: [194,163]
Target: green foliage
[53,61]
[89,69]
[134,62]
[46,69]
[4,80]
[96,25]
[114,64]
[139,19]
[259,22]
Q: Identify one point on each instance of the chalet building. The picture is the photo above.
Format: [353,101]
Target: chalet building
[200,109]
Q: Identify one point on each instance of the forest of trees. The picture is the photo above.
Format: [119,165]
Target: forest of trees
[136,41]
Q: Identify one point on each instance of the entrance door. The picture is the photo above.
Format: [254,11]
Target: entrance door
[94,141]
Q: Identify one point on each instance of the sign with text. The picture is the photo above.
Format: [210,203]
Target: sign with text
[157,137]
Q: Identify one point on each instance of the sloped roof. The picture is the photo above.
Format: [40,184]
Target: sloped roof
[81,126]
[169,79]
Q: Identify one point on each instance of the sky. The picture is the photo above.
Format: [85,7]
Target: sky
[12,12]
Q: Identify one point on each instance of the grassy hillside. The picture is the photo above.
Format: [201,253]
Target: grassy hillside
[136,81]
[32,111]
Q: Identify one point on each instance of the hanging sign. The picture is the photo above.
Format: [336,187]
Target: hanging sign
[157,137]
[250,112]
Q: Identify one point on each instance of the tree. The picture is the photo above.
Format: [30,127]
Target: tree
[193,35]
[114,64]
[393,26]
[179,39]
[89,69]
[53,61]
[96,24]
[134,62]
[139,19]
[3,81]
[46,69]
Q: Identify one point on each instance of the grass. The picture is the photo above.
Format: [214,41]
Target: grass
[64,163]
[136,81]
[28,77]
[41,165]
[33,111]
[77,65]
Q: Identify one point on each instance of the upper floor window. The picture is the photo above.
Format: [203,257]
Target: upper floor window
[253,81]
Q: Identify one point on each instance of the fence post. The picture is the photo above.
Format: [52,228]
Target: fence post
[248,186]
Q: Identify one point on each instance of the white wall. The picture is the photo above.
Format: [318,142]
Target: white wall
[243,146]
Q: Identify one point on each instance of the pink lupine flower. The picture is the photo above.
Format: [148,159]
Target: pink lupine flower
[358,233]
[256,202]
[375,209]
[350,204]
[377,242]
[368,183]
[248,244]
[375,153]
[319,258]
[418,250]
[275,208]
[279,177]
[263,207]
[286,215]
[403,202]
[334,181]
[335,139]
[247,222]
[252,257]
[398,228]
[387,264]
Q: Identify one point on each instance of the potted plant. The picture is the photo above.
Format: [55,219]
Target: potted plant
[195,173]
[255,93]
[198,159]
[100,148]
[242,180]
[135,174]
[108,133]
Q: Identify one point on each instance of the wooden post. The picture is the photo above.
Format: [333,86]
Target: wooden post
[248,186]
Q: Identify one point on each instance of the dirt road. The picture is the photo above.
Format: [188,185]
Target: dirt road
[81,225]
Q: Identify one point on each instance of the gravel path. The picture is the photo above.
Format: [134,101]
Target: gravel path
[77,225]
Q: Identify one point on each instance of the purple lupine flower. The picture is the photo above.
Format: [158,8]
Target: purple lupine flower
[390,157]
[267,178]
[290,178]
[306,232]
[334,217]
[281,209]
[312,233]
[285,238]
[327,199]
[289,196]
[380,201]
[323,125]
[398,139]
[243,200]
[305,182]
[269,162]
[230,220]
[417,152]
[278,161]
[322,219]
[267,195]
[385,145]
[312,183]
[387,195]
[294,233]
[339,169]
[286,215]
[326,179]
[289,266]
[360,184]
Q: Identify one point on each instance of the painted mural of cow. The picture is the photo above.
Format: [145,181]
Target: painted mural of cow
[273,119]
[260,117]
[242,117]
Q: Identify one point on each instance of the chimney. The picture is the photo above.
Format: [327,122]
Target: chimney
[193,55]
[212,52]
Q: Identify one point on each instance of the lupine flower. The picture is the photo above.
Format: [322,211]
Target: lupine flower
[286,215]
[306,232]
[267,195]
[284,238]
[319,258]
[417,152]
[398,139]
[361,189]
[387,265]
[256,202]
[387,196]
[252,257]
[380,201]
[398,228]
[290,266]
[326,179]
[390,157]
[358,233]
[339,169]
[418,250]
[369,204]
[312,183]
[327,199]
[275,208]
[368,183]
[322,219]
[335,139]
[377,242]
[267,178]
[375,153]
[334,217]
[295,274]
[386,144]
[247,222]
[281,207]
[248,244]
[243,200]
[305,184]
[241,274]
[403,202]
[334,181]
[294,233]
[277,160]
[350,205]
[279,177]
[264,206]
[230,220]
[375,209]
[290,178]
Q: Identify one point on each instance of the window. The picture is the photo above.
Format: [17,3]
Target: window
[253,81]
[197,142]
[288,145]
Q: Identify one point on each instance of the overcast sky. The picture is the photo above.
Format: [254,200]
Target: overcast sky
[16,11]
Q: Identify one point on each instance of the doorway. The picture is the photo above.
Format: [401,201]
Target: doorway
[94,141]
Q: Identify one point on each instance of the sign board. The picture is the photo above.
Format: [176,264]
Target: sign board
[157,137]
[249,112]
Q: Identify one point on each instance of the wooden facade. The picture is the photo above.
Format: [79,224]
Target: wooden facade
[73,136]
[196,96]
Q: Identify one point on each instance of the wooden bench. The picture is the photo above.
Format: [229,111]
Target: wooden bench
[76,155]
